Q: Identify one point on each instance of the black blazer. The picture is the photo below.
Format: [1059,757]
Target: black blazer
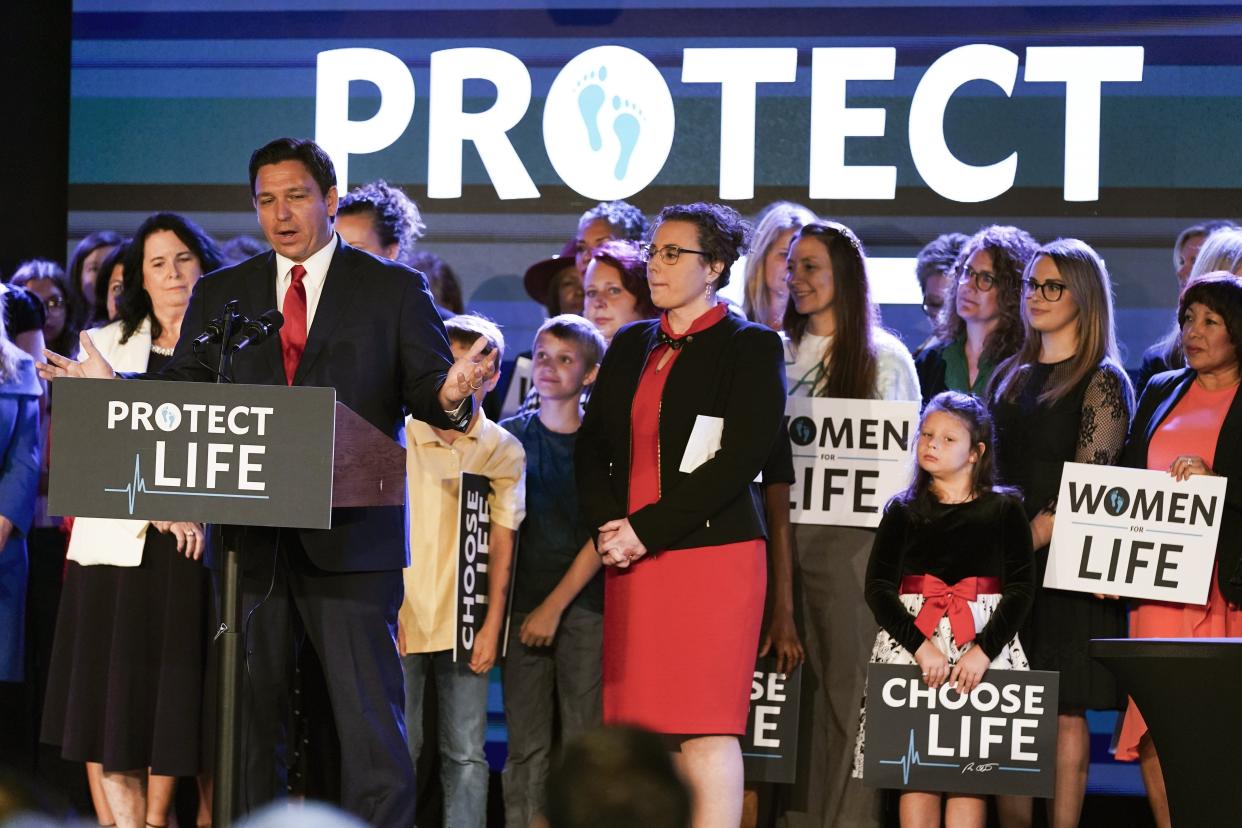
[376,338]
[1162,393]
[734,370]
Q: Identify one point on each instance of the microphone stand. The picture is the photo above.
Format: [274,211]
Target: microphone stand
[228,641]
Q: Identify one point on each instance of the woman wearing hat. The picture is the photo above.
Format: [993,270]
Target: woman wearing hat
[556,283]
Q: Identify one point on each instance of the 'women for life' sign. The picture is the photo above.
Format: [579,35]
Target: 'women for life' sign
[1135,532]
[849,457]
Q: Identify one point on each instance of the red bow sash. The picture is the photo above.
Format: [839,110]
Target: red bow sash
[952,600]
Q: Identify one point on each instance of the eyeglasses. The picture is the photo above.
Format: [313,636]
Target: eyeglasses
[669,253]
[54,302]
[983,280]
[1051,291]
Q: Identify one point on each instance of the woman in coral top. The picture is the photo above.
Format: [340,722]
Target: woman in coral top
[681,529]
[1190,422]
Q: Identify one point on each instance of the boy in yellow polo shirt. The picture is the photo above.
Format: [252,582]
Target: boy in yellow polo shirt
[427,620]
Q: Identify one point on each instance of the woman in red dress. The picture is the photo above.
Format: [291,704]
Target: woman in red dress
[682,420]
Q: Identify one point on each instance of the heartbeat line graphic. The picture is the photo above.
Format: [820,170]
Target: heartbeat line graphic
[912,758]
[131,490]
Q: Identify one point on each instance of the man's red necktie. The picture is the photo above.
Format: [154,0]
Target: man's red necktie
[293,332]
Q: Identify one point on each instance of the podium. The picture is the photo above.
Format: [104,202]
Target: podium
[259,455]
[1188,690]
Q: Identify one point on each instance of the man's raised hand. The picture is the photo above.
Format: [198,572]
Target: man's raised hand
[92,366]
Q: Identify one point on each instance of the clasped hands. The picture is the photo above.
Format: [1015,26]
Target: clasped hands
[618,545]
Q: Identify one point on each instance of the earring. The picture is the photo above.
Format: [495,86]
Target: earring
[707,293]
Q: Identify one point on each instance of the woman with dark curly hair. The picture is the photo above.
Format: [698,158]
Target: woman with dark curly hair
[616,287]
[681,531]
[981,322]
[380,219]
[1063,397]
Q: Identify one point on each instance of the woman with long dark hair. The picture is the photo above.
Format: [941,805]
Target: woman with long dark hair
[1063,397]
[125,691]
[837,348]
[85,269]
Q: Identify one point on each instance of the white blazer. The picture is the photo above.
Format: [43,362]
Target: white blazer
[116,542]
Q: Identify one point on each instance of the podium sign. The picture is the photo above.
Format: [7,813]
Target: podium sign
[241,454]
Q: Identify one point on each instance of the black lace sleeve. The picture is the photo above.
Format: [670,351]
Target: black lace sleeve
[1107,406]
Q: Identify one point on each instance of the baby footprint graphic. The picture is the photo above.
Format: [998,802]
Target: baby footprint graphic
[627,128]
[590,102]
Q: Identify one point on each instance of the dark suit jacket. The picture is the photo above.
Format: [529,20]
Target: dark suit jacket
[1162,393]
[734,370]
[376,338]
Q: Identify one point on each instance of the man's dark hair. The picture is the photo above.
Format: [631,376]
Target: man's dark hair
[617,777]
[312,156]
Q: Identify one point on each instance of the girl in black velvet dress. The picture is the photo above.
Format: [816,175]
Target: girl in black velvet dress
[951,575]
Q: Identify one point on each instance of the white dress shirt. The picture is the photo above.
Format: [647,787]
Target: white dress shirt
[316,273]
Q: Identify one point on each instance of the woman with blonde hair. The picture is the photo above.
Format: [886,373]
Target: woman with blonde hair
[1063,397]
[766,293]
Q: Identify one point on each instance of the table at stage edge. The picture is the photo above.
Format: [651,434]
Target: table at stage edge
[1190,693]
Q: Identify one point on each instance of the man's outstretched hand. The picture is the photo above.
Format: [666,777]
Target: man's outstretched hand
[467,375]
[91,366]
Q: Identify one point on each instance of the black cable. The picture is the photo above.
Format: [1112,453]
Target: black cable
[198,357]
[245,742]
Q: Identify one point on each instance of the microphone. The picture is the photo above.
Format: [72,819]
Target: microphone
[214,331]
[258,330]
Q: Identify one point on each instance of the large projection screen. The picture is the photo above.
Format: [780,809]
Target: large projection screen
[1116,123]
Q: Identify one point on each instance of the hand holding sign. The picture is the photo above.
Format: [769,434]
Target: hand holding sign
[933,663]
[969,670]
[1187,465]
[92,366]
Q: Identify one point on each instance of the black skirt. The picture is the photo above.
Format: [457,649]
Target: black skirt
[129,664]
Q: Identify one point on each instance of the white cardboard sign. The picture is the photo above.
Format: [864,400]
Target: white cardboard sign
[1135,532]
[849,457]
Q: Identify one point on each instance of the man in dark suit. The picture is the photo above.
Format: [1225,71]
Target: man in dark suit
[367,328]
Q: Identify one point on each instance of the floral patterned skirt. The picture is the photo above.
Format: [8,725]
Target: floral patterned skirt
[888,651]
